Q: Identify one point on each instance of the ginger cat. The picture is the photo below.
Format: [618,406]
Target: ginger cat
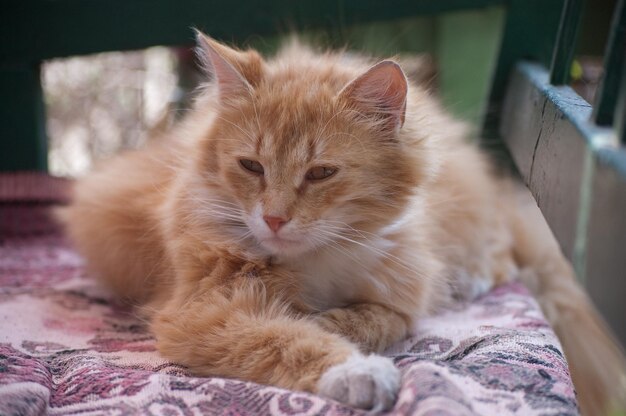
[304,214]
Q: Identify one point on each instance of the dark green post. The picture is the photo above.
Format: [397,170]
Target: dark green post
[614,66]
[565,43]
[529,33]
[23,144]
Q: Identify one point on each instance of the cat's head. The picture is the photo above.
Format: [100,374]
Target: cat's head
[305,151]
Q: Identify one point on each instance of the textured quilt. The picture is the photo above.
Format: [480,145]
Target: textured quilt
[66,347]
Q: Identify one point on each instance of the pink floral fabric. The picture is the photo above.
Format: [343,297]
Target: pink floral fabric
[67,347]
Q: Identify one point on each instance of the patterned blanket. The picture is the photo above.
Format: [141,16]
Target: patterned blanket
[66,347]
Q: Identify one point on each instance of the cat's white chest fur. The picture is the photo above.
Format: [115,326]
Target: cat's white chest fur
[336,276]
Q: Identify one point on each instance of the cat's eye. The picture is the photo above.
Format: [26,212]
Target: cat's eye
[252,166]
[320,172]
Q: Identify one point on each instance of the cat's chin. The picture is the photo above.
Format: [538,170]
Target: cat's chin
[283,247]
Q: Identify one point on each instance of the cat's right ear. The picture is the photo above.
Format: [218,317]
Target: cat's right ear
[233,71]
[380,94]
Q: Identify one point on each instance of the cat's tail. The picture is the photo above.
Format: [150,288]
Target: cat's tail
[595,359]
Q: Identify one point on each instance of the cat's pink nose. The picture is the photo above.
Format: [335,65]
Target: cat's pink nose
[275,222]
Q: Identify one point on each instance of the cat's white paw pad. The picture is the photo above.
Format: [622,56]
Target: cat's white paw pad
[365,382]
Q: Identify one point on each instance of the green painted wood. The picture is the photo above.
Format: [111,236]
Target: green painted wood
[614,67]
[416,34]
[565,47]
[32,30]
[23,144]
[620,111]
[530,33]
[467,47]
[576,172]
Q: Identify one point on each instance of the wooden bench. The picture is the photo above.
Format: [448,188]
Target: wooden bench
[570,154]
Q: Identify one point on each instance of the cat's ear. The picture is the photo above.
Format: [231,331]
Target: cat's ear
[235,72]
[380,93]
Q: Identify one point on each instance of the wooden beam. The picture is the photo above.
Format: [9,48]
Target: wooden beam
[576,171]
[32,30]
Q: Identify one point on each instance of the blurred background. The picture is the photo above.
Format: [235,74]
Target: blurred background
[99,104]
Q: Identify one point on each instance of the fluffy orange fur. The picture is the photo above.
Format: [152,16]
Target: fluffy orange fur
[304,214]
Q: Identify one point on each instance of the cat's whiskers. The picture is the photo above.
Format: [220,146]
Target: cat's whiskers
[342,250]
[245,236]
[224,211]
[225,139]
[210,214]
[396,260]
[215,203]
[321,131]
[348,226]
[247,134]
[215,216]
[256,114]
[349,135]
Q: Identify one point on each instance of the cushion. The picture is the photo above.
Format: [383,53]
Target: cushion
[67,347]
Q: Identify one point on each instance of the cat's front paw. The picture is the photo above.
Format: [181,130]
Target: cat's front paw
[367,382]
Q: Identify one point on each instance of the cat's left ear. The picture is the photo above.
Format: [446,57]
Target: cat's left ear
[234,71]
[380,93]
